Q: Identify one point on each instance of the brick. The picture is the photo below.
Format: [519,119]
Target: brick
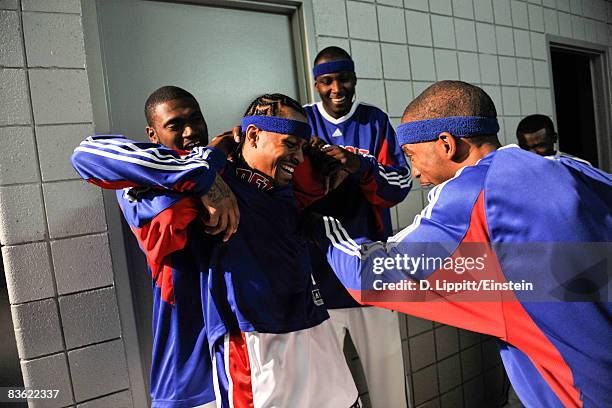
[471,362]
[90,317]
[82,263]
[54,40]
[446,64]
[422,350]
[425,384]
[418,28]
[17,164]
[37,328]
[14,106]
[98,370]
[55,146]
[422,64]
[60,96]
[395,61]
[449,373]
[21,214]
[57,6]
[9,4]
[11,47]
[330,17]
[28,272]
[417,325]
[73,207]
[391,25]
[366,55]
[488,69]
[362,20]
[399,94]
[373,92]
[119,400]
[444,31]
[447,341]
[48,373]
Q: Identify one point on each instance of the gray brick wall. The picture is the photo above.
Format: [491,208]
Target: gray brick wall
[52,225]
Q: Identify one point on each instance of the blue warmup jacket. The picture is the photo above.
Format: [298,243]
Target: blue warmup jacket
[169,231]
[547,221]
[361,202]
[260,280]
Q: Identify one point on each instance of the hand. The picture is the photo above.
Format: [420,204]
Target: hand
[222,208]
[228,141]
[324,164]
[349,161]
[336,178]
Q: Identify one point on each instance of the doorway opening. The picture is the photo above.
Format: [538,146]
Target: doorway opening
[581,99]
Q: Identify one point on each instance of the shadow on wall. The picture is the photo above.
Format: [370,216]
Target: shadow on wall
[10,371]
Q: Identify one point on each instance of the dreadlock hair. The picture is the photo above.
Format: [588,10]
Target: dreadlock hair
[332,53]
[162,95]
[267,105]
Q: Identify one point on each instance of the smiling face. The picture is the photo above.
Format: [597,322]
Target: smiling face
[274,154]
[336,90]
[178,124]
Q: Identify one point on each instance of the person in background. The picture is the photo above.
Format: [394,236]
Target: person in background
[536,133]
[361,137]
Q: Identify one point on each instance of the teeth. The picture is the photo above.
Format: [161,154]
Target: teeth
[288,169]
[338,100]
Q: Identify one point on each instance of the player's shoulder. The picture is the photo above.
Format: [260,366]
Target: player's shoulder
[372,110]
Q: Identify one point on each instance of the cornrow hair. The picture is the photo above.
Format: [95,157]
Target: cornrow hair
[270,104]
[267,105]
[162,95]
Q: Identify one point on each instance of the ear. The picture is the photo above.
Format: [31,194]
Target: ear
[447,144]
[150,131]
[251,136]
[554,137]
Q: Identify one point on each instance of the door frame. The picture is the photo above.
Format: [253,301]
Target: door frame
[600,82]
[301,17]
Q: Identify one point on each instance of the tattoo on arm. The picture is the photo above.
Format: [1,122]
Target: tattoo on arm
[218,192]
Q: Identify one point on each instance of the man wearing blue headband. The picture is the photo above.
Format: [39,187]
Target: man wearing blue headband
[267,328]
[512,245]
[361,137]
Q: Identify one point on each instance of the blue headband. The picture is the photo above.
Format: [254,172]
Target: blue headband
[458,126]
[333,66]
[278,125]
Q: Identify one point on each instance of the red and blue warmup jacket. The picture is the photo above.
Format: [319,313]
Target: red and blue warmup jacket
[260,280]
[547,221]
[361,202]
[169,231]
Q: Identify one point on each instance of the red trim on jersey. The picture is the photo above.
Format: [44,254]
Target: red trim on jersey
[111,185]
[384,156]
[369,189]
[308,186]
[164,234]
[240,372]
[505,318]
